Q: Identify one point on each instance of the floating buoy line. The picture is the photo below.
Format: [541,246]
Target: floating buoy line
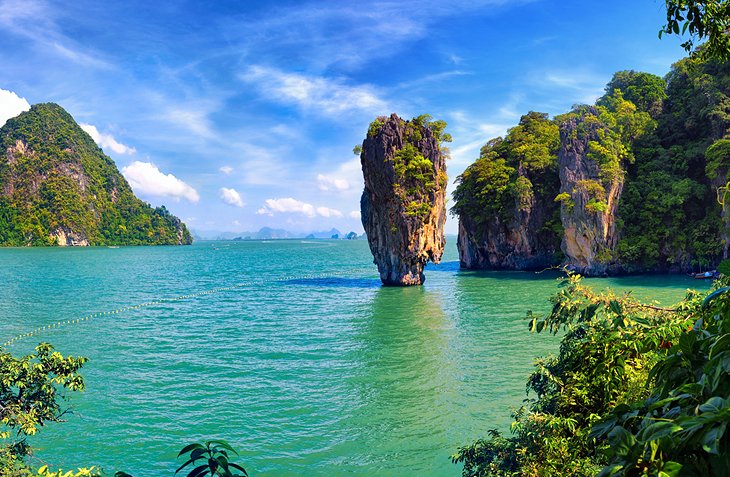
[161,301]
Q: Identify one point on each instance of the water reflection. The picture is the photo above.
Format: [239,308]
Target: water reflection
[403,382]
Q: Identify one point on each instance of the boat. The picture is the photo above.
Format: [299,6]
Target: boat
[708,275]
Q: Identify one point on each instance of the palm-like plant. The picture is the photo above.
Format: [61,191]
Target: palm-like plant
[214,460]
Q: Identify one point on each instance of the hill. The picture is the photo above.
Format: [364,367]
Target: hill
[57,187]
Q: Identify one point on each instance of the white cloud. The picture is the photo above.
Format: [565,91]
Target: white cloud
[146,178]
[106,141]
[231,197]
[287,205]
[294,206]
[330,96]
[11,105]
[328,183]
[327,212]
[226,170]
[355,214]
[585,87]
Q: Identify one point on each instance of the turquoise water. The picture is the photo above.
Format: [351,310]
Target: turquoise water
[321,375]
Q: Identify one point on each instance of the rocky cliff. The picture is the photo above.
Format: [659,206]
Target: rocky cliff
[590,195]
[507,216]
[522,241]
[57,187]
[403,204]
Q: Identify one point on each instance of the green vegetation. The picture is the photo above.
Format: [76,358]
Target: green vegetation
[702,19]
[32,394]
[417,181]
[670,216]
[56,179]
[667,141]
[514,173]
[636,390]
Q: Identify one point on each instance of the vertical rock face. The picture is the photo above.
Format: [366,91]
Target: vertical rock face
[519,243]
[403,204]
[590,198]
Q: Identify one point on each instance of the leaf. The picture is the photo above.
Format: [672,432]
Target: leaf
[199,471]
[709,298]
[657,430]
[601,428]
[711,439]
[189,461]
[189,447]
[610,470]
[238,467]
[224,445]
[672,468]
[621,440]
[722,344]
[714,404]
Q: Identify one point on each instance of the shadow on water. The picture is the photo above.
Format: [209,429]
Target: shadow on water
[335,282]
[453,266]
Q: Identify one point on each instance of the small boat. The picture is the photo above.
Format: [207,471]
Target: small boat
[113,246]
[710,274]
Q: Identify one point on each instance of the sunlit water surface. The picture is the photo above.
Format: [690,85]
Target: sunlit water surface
[321,376]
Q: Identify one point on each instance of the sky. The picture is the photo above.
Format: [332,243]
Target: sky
[241,114]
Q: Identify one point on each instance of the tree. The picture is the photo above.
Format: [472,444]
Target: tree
[30,396]
[703,20]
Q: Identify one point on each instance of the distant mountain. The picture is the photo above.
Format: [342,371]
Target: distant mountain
[268,233]
[57,187]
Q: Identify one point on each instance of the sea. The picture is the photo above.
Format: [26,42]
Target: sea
[289,350]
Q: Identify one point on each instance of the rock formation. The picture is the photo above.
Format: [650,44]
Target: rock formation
[403,204]
[58,188]
[508,218]
[522,241]
[590,197]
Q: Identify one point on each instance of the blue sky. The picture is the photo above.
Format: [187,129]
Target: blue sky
[238,115]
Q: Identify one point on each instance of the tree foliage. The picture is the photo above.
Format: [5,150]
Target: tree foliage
[31,395]
[703,20]
[511,171]
[635,390]
[56,178]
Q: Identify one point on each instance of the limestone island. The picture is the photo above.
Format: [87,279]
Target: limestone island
[403,205]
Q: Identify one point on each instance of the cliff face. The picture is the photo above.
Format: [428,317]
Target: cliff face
[519,242]
[508,218]
[58,188]
[589,214]
[403,204]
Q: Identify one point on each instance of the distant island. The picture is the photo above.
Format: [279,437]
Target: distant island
[268,233]
[635,183]
[57,187]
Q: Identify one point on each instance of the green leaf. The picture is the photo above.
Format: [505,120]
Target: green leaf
[672,468]
[715,404]
[722,344]
[621,441]
[188,448]
[223,445]
[657,430]
[189,461]
[713,295]
[711,438]
[199,471]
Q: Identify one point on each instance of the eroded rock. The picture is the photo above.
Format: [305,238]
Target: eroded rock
[403,204]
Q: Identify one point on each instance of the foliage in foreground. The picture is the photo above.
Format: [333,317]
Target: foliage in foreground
[636,390]
[32,393]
